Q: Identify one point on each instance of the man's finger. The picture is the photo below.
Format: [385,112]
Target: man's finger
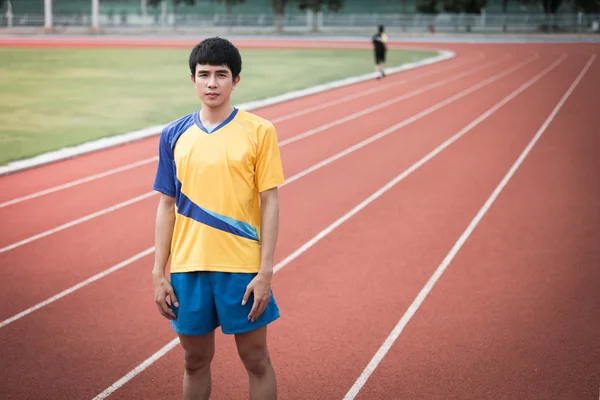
[246,295]
[263,306]
[255,306]
[173,298]
[164,308]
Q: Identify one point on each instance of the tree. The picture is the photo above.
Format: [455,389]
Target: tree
[228,10]
[472,6]
[426,6]
[317,6]
[229,4]
[451,6]
[156,3]
[463,6]
[587,6]
[549,6]
[279,10]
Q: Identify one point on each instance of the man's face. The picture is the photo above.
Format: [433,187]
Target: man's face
[214,84]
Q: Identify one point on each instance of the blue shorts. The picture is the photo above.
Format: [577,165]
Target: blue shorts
[211,299]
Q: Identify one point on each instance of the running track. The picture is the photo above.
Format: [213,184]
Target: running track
[442,245]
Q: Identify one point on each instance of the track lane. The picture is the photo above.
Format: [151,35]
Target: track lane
[319,293]
[24,257]
[513,311]
[32,217]
[105,185]
[37,179]
[334,195]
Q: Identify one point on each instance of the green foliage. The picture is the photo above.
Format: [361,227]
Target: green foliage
[472,6]
[549,6]
[319,5]
[587,6]
[426,6]
[278,6]
[463,6]
[156,3]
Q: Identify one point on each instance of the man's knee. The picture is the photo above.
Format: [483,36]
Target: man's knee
[198,351]
[256,359]
[198,360]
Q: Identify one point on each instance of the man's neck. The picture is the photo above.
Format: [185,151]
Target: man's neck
[214,116]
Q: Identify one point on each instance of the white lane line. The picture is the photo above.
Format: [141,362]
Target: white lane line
[385,347]
[390,102]
[410,120]
[292,179]
[77,221]
[78,286]
[373,90]
[129,376]
[129,137]
[283,143]
[137,370]
[306,171]
[80,181]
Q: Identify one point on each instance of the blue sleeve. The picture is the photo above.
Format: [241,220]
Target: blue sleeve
[164,181]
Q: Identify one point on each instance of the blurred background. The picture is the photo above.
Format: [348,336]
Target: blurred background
[304,16]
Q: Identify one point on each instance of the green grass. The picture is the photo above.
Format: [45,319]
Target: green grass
[52,98]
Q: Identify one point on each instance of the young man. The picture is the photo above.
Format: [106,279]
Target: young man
[379,46]
[217,220]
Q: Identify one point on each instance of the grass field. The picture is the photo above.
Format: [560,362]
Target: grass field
[53,98]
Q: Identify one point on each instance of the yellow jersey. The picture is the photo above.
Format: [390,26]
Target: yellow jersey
[216,177]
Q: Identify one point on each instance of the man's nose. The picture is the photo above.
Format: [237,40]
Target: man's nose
[212,81]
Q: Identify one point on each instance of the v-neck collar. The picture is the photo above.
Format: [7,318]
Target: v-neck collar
[222,124]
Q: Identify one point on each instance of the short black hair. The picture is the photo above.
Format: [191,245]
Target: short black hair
[216,51]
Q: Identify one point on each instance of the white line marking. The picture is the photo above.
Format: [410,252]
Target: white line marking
[283,143]
[80,181]
[290,180]
[410,120]
[78,286]
[117,140]
[373,90]
[77,221]
[137,370]
[389,102]
[121,382]
[362,379]
[300,136]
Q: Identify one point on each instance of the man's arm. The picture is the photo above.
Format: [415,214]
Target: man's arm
[261,284]
[165,222]
[269,229]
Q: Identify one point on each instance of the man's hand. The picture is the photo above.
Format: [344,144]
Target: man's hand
[261,287]
[162,289]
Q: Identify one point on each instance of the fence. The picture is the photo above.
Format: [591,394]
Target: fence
[165,19]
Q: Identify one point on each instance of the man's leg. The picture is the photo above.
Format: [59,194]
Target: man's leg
[253,351]
[199,352]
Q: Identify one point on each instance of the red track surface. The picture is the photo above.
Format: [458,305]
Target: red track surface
[513,316]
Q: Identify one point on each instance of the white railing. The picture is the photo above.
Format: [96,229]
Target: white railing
[330,22]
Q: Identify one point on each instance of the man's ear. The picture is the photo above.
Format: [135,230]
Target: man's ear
[236,81]
[193,78]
